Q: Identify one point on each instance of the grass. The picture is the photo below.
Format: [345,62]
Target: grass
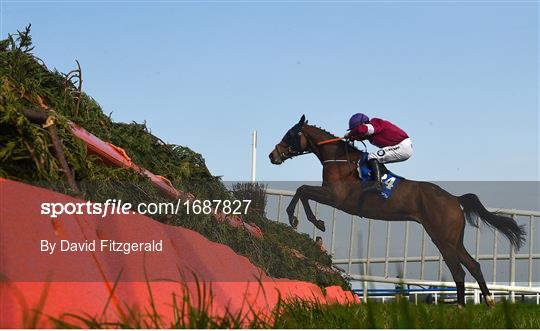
[192,309]
[408,316]
[294,314]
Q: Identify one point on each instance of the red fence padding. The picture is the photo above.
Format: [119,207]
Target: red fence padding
[236,284]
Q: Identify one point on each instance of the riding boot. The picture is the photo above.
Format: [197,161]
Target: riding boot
[375,167]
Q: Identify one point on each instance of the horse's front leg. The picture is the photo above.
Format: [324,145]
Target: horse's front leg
[293,220]
[319,194]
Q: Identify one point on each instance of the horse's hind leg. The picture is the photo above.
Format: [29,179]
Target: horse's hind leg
[472,265]
[452,261]
[451,258]
[474,268]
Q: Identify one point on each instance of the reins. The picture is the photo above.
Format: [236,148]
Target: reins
[332,140]
[347,156]
[327,141]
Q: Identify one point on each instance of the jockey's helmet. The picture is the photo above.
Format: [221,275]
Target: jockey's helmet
[357,119]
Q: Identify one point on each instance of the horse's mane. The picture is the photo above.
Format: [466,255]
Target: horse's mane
[331,135]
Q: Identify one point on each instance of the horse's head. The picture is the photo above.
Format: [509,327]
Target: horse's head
[294,143]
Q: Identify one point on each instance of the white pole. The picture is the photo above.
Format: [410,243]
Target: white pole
[253,155]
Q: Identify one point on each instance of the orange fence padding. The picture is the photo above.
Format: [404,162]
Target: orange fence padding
[117,156]
[81,282]
[109,153]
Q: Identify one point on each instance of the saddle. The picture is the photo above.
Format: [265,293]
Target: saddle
[389,180]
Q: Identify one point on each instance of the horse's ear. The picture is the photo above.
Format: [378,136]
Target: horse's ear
[302,119]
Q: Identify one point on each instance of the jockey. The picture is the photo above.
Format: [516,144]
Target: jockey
[395,145]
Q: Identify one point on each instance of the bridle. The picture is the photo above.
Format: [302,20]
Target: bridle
[292,150]
[289,152]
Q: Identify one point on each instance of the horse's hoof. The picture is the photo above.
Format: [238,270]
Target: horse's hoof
[320,225]
[293,221]
[490,301]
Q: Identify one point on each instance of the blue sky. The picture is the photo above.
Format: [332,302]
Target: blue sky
[462,78]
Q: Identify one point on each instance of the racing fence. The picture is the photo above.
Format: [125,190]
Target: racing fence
[372,251]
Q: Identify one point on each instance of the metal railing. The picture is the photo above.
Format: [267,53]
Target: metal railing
[509,288]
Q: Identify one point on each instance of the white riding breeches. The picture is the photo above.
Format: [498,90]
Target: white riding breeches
[396,153]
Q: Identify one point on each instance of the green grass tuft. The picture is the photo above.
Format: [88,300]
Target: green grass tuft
[298,314]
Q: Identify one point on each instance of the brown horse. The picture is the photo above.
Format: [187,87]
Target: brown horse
[439,212]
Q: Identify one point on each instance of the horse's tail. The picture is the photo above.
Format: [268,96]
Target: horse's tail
[473,209]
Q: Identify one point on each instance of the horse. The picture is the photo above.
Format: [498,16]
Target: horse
[442,214]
